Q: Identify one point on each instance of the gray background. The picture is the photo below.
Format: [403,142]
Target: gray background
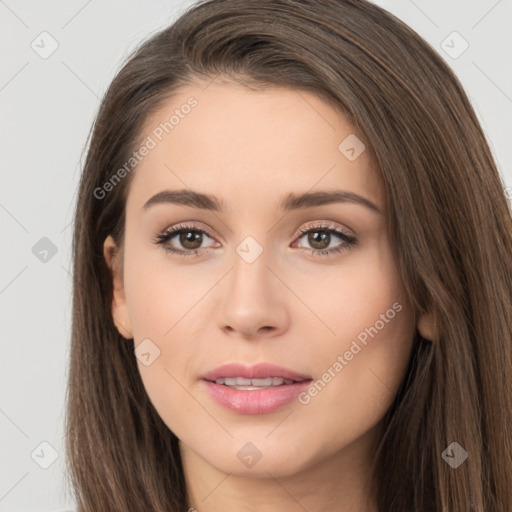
[47,107]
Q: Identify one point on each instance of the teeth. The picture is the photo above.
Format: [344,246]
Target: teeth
[241,383]
[237,381]
[267,382]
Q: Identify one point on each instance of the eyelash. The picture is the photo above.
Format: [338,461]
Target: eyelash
[168,234]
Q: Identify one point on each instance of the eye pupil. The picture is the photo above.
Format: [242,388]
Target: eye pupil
[185,239]
[314,239]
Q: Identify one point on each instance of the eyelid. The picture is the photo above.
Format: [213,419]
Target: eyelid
[212,233]
[326,224]
[192,225]
[174,230]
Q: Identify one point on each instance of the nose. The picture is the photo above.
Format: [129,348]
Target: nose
[254,305]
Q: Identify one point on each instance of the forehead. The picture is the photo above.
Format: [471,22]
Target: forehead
[232,141]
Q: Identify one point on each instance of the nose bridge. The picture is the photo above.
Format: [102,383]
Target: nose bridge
[251,303]
[250,263]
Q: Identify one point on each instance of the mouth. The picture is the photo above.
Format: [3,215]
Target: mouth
[258,389]
[253,384]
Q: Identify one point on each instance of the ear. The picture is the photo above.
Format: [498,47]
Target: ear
[426,326]
[119,308]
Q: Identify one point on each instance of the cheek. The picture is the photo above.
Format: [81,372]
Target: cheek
[362,356]
[356,381]
[165,307]
[161,294]
[351,297]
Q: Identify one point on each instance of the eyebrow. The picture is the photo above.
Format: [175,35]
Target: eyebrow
[288,203]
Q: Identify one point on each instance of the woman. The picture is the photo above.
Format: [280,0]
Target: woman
[293,284]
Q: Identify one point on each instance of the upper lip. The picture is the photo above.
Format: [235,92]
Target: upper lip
[258,371]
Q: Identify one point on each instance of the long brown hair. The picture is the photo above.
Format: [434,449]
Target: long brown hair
[450,228]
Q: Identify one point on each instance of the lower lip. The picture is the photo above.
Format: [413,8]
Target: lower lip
[256,401]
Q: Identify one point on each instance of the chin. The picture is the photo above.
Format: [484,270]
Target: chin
[258,459]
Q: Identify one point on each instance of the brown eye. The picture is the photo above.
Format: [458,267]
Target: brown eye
[183,240]
[191,239]
[320,237]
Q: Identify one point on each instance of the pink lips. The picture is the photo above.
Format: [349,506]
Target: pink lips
[258,371]
[259,401]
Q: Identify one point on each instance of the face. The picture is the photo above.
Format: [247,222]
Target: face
[307,284]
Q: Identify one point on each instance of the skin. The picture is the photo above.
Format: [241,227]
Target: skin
[251,148]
